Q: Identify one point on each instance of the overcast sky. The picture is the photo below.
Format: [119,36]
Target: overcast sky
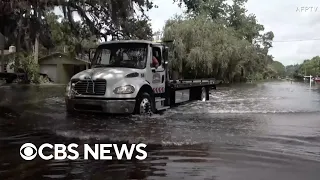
[288,19]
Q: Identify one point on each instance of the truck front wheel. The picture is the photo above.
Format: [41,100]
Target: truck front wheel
[70,111]
[144,105]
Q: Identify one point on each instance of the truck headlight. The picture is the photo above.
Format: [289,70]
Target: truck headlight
[128,89]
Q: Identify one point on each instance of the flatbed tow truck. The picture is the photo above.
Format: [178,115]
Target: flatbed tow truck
[123,80]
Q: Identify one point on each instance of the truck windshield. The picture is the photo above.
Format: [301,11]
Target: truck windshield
[128,55]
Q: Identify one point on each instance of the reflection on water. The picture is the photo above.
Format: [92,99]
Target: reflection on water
[257,131]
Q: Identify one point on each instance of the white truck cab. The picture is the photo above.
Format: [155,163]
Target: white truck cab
[122,79]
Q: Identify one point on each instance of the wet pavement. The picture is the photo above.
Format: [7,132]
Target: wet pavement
[260,131]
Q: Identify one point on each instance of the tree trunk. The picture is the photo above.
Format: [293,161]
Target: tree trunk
[36,43]
[2,59]
[2,52]
[36,49]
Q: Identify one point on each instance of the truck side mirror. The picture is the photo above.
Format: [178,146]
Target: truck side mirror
[153,69]
[166,56]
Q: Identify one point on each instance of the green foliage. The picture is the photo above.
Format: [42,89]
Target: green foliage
[310,67]
[24,20]
[278,68]
[256,77]
[218,39]
[292,70]
[136,28]
[27,64]
[65,40]
[231,15]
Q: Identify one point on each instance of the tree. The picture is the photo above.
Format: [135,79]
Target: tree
[204,48]
[28,24]
[292,70]
[310,67]
[63,38]
[216,39]
[279,69]
[26,18]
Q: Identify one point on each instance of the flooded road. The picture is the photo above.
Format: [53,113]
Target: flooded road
[260,131]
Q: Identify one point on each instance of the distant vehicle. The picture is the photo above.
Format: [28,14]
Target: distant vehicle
[124,78]
[317,79]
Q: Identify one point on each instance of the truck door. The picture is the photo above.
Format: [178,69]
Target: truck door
[158,74]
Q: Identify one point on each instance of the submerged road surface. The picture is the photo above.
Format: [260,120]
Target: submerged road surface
[249,132]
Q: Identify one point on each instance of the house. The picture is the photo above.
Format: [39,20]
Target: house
[7,65]
[60,67]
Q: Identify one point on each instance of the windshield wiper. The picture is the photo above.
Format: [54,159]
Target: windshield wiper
[113,65]
[104,65]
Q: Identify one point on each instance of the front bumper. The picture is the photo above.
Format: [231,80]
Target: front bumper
[125,106]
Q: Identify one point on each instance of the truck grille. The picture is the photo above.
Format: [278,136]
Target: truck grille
[90,87]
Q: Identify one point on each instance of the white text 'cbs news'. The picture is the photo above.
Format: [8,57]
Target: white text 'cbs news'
[29,151]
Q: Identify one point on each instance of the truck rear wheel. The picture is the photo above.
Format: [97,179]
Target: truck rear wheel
[144,104]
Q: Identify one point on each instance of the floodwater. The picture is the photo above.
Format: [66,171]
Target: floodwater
[260,131]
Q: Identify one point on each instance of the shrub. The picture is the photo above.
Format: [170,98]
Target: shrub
[26,63]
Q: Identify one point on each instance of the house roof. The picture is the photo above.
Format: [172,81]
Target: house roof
[6,52]
[59,54]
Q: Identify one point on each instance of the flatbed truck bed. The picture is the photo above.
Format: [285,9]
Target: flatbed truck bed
[188,83]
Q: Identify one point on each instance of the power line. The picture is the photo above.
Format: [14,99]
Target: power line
[299,40]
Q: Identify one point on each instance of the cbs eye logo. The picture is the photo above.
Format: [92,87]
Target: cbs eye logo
[28,151]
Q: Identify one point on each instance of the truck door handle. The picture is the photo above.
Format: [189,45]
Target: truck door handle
[162,78]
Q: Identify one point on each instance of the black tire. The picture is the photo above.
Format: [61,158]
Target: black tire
[70,112]
[144,104]
[69,109]
[9,80]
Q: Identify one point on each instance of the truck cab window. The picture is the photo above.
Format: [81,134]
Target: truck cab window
[105,56]
[156,55]
[121,55]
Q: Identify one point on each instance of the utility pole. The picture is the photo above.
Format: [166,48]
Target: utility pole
[310,80]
